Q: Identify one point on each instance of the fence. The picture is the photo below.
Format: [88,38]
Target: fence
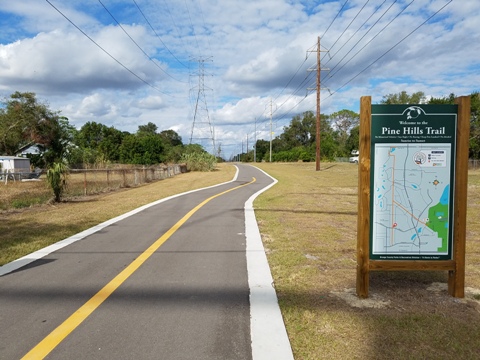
[93,181]
[28,192]
[473,164]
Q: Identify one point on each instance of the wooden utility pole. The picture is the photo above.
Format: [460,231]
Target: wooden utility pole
[317,134]
[318,89]
[271,131]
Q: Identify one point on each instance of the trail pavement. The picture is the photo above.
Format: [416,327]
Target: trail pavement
[182,278]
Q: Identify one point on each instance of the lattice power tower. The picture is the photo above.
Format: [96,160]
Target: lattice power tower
[203,131]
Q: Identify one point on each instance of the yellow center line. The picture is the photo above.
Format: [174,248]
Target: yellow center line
[51,341]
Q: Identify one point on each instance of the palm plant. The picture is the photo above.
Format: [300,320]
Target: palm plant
[57,179]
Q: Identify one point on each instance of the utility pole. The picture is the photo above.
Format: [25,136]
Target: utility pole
[318,89]
[317,134]
[255,144]
[271,114]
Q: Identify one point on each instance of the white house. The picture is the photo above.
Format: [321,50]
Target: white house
[14,164]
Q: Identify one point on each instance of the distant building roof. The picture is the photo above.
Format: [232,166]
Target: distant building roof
[31,148]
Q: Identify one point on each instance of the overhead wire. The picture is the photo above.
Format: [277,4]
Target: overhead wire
[106,52]
[179,36]
[136,44]
[158,36]
[335,18]
[355,33]
[289,111]
[303,82]
[368,42]
[191,23]
[301,85]
[348,26]
[390,49]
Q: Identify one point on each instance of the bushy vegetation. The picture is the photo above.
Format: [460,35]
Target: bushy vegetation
[199,161]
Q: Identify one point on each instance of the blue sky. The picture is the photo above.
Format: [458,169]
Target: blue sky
[142,64]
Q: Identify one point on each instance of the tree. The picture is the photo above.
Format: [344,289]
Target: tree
[262,147]
[171,137]
[142,150]
[343,122]
[403,98]
[56,136]
[24,120]
[300,132]
[99,142]
[18,116]
[353,141]
[475,126]
[474,141]
[146,130]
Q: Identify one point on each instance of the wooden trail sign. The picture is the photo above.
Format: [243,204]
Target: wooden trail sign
[412,193]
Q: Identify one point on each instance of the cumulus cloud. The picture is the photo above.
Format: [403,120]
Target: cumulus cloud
[252,52]
[61,61]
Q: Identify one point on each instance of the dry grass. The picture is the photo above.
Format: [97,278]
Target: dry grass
[308,224]
[25,230]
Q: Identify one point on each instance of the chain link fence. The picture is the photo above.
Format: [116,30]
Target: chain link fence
[94,181]
[20,190]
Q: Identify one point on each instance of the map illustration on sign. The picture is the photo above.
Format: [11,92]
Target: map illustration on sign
[411,184]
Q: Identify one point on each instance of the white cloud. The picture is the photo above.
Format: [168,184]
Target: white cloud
[256,52]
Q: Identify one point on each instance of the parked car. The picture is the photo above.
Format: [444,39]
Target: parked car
[354,157]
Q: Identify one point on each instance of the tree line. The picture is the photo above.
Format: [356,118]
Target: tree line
[24,121]
[339,132]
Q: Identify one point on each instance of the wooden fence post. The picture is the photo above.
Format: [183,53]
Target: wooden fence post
[456,278]
[363,225]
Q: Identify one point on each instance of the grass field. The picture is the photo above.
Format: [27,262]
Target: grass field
[308,226]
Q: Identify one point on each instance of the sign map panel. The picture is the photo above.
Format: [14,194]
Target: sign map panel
[411,194]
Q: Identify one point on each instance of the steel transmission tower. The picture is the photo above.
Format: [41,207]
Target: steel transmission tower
[203,131]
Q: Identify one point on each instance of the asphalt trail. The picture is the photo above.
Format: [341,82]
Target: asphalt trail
[172,280]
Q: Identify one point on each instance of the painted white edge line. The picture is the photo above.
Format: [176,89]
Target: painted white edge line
[27,259]
[268,333]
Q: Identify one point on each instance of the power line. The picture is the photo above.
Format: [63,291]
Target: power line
[348,26]
[335,18]
[191,23]
[106,52]
[138,46]
[394,46]
[355,33]
[159,38]
[371,28]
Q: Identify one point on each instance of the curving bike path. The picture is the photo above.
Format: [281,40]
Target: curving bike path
[182,278]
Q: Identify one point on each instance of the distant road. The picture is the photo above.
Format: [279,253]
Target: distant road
[168,282]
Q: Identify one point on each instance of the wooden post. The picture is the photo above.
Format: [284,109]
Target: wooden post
[456,278]
[363,225]
[317,131]
[85,182]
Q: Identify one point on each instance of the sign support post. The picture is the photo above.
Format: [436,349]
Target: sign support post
[412,190]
